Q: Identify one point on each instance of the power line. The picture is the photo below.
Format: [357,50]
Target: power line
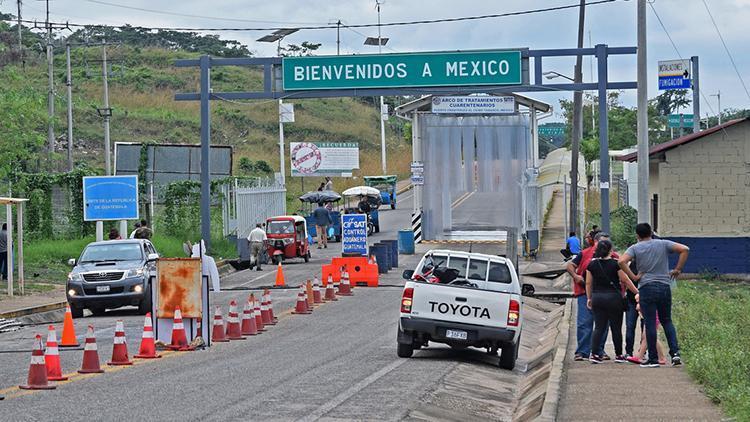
[731,58]
[661,23]
[364,25]
[187,15]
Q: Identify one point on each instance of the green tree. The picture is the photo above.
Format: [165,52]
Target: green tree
[246,166]
[671,101]
[23,125]
[305,49]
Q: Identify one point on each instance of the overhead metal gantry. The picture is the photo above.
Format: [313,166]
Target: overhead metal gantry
[273,88]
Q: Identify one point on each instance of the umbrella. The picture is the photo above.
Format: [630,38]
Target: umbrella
[362,191]
[320,196]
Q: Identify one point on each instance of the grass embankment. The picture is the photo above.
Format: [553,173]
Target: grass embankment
[46,261]
[713,325]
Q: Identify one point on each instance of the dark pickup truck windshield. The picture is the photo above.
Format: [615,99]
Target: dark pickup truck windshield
[112,252]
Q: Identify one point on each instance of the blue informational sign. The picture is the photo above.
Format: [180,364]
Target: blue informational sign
[674,74]
[110,198]
[674,82]
[354,233]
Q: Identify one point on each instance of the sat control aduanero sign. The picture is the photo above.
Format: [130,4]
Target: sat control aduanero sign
[434,69]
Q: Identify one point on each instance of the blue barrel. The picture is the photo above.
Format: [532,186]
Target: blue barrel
[406,242]
[387,254]
[393,245]
[381,255]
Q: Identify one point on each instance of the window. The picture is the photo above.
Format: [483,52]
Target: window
[477,269]
[458,264]
[499,273]
[115,251]
[280,227]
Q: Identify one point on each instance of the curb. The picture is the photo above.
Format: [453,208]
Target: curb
[34,310]
[552,396]
[404,189]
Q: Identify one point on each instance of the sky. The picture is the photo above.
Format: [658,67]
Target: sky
[687,21]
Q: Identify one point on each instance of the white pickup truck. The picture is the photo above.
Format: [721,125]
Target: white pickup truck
[462,299]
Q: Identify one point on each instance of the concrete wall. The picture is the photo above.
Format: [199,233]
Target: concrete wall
[703,186]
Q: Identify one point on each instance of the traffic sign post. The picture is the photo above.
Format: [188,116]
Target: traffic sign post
[354,234]
[680,120]
[417,173]
[674,74]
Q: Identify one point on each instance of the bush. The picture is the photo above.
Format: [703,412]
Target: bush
[622,222]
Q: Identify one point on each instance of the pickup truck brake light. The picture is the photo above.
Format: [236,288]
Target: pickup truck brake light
[406,300]
[513,313]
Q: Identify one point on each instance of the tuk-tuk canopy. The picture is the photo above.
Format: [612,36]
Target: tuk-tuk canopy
[381,180]
[316,197]
[362,191]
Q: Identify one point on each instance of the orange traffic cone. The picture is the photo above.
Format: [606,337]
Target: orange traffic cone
[317,298]
[265,316]
[269,305]
[280,277]
[301,307]
[345,287]
[303,287]
[148,348]
[256,310]
[309,294]
[120,348]
[90,354]
[69,332]
[52,357]
[248,327]
[330,292]
[218,334]
[234,331]
[37,379]
[179,338]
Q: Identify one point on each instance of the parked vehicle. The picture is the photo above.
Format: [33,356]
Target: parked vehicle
[287,238]
[112,274]
[352,198]
[462,299]
[387,187]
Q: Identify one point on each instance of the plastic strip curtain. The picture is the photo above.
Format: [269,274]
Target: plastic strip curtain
[497,148]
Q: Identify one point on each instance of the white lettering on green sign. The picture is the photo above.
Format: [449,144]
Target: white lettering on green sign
[403,70]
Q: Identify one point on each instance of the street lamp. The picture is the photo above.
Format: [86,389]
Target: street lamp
[552,75]
[277,36]
[380,42]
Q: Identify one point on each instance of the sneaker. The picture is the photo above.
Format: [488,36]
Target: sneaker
[676,360]
[620,359]
[649,364]
[578,357]
[633,359]
[605,356]
[595,359]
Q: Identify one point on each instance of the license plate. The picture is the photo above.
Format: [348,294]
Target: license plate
[102,289]
[457,334]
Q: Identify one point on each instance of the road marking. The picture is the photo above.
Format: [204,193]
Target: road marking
[336,401]
[258,278]
[462,199]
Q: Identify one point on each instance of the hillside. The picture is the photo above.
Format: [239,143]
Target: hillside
[142,84]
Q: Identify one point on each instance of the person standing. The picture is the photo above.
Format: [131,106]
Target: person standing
[137,226]
[654,287]
[143,232]
[4,251]
[631,315]
[114,234]
[604,281]
[584,319]
[322,219]
[329,183]
[257,239]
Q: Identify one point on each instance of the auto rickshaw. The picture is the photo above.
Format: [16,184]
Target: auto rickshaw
[387,187]
[310,201]
[373,199]
[287,238]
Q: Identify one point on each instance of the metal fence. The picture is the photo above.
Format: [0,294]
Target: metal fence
[246,203]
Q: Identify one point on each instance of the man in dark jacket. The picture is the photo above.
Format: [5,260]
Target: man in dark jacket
[322,218]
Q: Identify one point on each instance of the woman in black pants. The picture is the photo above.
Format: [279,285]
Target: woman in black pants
[604,281]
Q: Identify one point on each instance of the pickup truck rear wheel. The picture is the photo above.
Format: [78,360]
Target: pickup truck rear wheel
[404,350]
[509,354]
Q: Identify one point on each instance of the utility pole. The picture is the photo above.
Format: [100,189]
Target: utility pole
[69,84]
[50,90]
[107,112]
[577,132]
[18,25]
[338,37]
[696,96]
[382,114]
[718,98]
[644,214]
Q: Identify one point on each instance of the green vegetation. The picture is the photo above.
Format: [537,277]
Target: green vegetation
[622,222]
[713,326]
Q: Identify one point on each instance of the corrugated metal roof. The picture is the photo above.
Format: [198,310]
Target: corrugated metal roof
[674,143]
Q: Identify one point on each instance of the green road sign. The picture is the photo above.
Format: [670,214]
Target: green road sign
[484,67]
[674,120]
[551,130]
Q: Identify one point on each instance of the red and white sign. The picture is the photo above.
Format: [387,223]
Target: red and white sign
[324,158]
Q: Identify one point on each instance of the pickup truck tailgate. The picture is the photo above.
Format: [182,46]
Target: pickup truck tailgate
[462,305]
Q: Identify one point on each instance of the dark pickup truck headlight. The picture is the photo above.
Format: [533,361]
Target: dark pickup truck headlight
[75,276]
[136,272]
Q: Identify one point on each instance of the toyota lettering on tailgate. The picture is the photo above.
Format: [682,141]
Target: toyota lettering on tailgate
[464,310]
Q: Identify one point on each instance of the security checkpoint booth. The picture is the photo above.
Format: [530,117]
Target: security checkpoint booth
[478,159]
